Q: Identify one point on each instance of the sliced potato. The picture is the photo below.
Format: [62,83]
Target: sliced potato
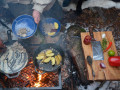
[57,60]
[48,51]
[43,59]
[51,33]
[47,60]
[60,57]
[50,54]
[41,54]
[40,57]
[53,60]
[56,25]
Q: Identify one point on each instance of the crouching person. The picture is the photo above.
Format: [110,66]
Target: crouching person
[32,7]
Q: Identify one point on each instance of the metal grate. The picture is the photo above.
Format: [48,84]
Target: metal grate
[28,78]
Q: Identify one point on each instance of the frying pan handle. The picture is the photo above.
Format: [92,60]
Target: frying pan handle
[9,35]
[91,32]
[13,76]
[39,72]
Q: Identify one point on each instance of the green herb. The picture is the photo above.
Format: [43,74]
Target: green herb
[82,30]
[104,44]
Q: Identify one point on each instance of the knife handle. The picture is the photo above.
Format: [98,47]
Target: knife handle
[91,32]
[93,73]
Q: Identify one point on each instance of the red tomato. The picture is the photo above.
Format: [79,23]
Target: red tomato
[114,61]
[87,39]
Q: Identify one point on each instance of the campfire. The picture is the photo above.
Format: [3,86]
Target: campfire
[30,79]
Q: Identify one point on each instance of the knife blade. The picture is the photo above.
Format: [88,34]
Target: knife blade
[89,60]
[96,47]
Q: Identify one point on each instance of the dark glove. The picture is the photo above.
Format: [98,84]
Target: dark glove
[66,3]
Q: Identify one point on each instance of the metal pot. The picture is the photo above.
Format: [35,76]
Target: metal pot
[43,66]
[15,60]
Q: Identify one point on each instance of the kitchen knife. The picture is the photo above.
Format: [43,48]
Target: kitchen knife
[89,60]
[96,47]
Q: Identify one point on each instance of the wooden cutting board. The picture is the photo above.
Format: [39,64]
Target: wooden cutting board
[111,73]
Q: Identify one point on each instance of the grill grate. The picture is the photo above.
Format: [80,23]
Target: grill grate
[29,78]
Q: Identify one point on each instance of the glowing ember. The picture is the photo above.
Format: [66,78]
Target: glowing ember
[27,77]
[37,84]
[39,77]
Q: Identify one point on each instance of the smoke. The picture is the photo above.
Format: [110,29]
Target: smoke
[1,3]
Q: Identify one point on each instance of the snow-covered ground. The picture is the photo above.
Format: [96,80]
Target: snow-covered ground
[108,85]
[3,32]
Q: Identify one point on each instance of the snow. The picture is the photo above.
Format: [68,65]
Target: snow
[100,3]
[3,32]
[107,85]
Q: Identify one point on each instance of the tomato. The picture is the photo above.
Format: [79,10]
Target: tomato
[114,61]
[111,53]
[87,39]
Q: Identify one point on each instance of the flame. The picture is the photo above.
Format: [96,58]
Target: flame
[39,77]
[37,84]
[31,62]
[27,77]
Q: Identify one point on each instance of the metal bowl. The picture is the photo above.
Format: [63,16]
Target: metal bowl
[24,21]
[48,21]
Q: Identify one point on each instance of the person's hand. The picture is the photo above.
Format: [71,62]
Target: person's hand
[36,16]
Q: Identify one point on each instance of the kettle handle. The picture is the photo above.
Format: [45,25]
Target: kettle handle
[9,35]
[13,76]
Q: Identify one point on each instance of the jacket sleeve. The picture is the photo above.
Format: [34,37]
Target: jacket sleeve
[39,5]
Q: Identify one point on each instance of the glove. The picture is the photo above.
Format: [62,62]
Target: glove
[36,16]
[66,3]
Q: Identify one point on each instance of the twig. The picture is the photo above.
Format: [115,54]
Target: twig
[102,83]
